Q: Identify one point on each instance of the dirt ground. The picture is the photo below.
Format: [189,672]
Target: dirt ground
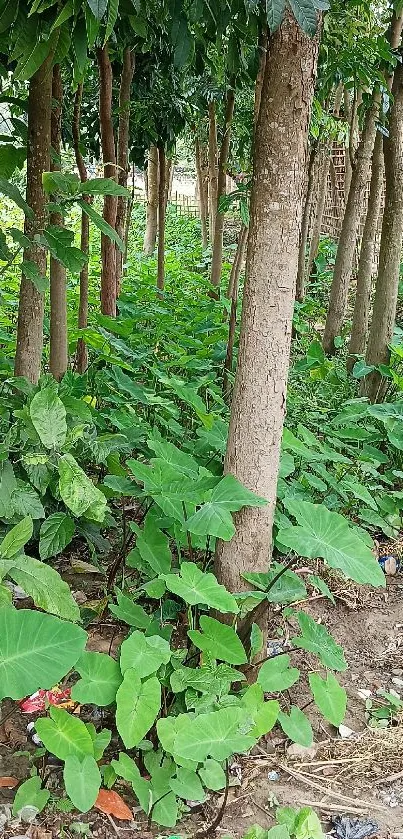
[360,776]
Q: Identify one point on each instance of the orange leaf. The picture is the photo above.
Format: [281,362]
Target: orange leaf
[110,802]
[8,782]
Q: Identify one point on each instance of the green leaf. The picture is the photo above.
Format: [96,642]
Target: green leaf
[187,785]
[48,416]
[113,10]
[78,492]
[296,726]
[63,734]
[320,584]
[32,272]
[212,775]
[359,491]
[330,697]
[100,679]
[276,675]
[212,520]
[82,780]
[197,587]
[99,222]
[154,547]
[12,192]
[45,585]
[100,739]
[36,651]
[306,14]
[232,495]
[26,502]
[137,707]
[11,158]
[219,641]
[62,183]
[56,533]
[144,654]
[16,538]
[218,735]
[256,641]
[64,15]
[103,186]
[323,533]
[58,240]
[307,825]
[274,13]
[126,768]
[130,612]
[182,40]
[317,639]
[31,794]
[6,597]
[288,588]
[264,714]
[98,8]
[32,59]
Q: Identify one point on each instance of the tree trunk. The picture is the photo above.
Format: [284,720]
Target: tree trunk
[161,221]
[263,43]
[58,290]
[348,169]
[359,327]
[123,153]
[216,263]
[212,166]
[258,403]
[108,249]
[129,211]
[150,235]
[28,354]
[168,179]
[233,296]
[386,290]
[202,193]
[348,234]
[81,351]
[300,287]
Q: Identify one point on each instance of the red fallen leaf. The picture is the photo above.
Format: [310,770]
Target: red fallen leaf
[42,698]
[111,803]
[8,782]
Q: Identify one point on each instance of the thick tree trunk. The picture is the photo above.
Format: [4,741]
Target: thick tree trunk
[81,351]
[150,236]
[108,249]
[348,235]
[28,354]
[212,167]
[216,263]
[161,221]
[300,287]
[123,153]
[232,293]
[258,403]
[386,290]
[359,327]
[58,291]
[203,208]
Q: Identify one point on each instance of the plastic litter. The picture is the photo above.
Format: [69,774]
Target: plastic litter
[389,564]
[346,828]
[273,775]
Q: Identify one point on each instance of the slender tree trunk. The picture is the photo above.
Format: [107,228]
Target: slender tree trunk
[300,287]
[128,218]
[348,169]
[202,193]
[359,327]
[28,354]
[81,351]
[108,249]
[161,221]
[212,165]
[233,286]
[348,235]
[258,403]
[123,153]
[263,43]
[58,290]
[150,236]
[216,263]
[168,179]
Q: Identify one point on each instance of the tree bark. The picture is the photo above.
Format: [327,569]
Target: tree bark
[348,234]
[258,403]
[300,287]
[58,290]
[212,166]
[203,208]
[28,354]
[216,263]
[108,249]
[263,43]
[359,327]
[168,179]
[161,221]
[232,294]
[81,351]
[123,153]
[348,169]
[150,236]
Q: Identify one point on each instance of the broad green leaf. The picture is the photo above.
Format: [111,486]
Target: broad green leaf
[103,186]
[279,831]
[307,825]
[11,191]
[32,272]
[322,533]
[296,726]
[48,416]
[56,533]
[264,714]
[64,14]
[59,240]
[100,679]
[113,9]
[63,734]
[218,640]
[197,587]
[330,697]
[16,538]
[102,225]
[137,707]
[359,491]
[232,495]
[31,794]
[218,735]
[98,8]
[317,639]
[66,184]
[26,502]
[288,588]
[78,492]
[32,59]
[82,780]
[212,679]
[45,585]
[144,654]
[126,768]
[36,651]
[6,597]
[212,775]
[130,612]
[100,739]
[154,548]
[187,785]
[11,158]
[212,519]
[256,641]
[306,14]
[276,674]
[320,584]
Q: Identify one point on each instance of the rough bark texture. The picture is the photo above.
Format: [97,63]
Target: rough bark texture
[108,249]
[212,167]
[359,327]
[81,351]
[384,309]
[300,287]
[150,236]
[216,263]
[123,153]
[233,296]
[258,402]
[58,290]
[203,207]
[161,221]
[348,169]
[28,354]
[348,234]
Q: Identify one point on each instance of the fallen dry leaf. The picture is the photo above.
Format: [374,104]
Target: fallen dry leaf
[8,782]
[111,803]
